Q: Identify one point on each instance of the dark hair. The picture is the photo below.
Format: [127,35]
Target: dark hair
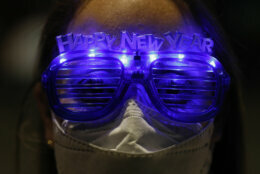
[228,153]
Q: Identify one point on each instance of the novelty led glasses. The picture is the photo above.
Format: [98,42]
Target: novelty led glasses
[86,84]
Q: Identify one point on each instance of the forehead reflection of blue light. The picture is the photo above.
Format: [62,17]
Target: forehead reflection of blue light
[124,59]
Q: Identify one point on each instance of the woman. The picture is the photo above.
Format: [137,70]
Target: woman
[143,17]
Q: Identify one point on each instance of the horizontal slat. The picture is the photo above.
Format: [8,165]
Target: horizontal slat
[172,94]
[177,83]
[85,91]
[83,72]
[187,89]
[84,100]
[184,87]
[185,111]
[163,63]
[89,87]
[197,93]
[84,109]
[107,76]
[181,64]
[88,81]
[187,106]
[77,95]
[159,71]
[90,78]
[84,105]
[186,78]
[186,97]
[198,76]
[94,63]
[183,68]
[100,98]
[89,68]
[85,86]
[188,102]
[179,77]
[192,80]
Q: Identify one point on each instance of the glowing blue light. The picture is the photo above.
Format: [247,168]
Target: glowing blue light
[181,56]
[92,53]
[171,77]
[153,57]
[213,64]
[63,60]
[124,59]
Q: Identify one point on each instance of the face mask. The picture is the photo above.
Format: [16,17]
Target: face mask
[136,142]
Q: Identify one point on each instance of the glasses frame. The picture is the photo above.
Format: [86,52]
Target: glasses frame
[146,62]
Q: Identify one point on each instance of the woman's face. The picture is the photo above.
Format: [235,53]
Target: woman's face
[132,133]
[135,16]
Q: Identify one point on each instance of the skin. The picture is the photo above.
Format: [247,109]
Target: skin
[139,16]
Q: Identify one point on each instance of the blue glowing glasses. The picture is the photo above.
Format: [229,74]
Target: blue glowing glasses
[87,86]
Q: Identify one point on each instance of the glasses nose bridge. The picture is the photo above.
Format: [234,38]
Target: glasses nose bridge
[138,69]
[137,77]
[138,91]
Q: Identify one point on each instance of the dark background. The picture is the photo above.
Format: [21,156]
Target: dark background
[21,22]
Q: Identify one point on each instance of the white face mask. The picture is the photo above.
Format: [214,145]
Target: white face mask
[136,142]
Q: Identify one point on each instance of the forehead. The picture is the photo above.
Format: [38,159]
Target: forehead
[139,16]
